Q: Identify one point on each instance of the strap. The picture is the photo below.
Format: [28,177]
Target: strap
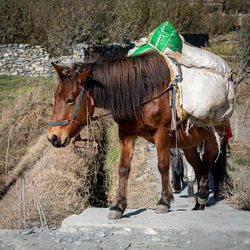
[224,75]
[58,123]
[78,103]
[178,78]
[175,120]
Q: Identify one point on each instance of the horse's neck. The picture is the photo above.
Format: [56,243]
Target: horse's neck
[122,106]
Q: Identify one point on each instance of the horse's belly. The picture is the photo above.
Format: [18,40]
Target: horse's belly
[193,138]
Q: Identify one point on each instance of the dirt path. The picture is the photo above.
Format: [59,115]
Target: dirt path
[218,227]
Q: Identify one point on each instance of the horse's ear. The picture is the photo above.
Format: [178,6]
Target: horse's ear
[83,77]
[58,68]
[61,71]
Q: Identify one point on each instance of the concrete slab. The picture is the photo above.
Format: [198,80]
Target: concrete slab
[218,218]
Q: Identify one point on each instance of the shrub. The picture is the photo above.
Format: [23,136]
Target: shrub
[243,52]
[59,24]
[221,23]
[235,6]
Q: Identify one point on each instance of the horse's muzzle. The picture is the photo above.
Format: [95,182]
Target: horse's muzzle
[56,142]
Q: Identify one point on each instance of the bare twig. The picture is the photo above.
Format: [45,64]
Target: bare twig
[24,201]
[39,206]
[22,205]
[6,156]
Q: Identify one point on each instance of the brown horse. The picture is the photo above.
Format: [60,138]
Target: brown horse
[132,89]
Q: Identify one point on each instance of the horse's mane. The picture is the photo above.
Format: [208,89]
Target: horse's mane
[121,84]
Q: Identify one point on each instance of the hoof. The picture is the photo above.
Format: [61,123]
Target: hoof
[162,207]
[198,206]
[177,190]
[202,201]
[115,213]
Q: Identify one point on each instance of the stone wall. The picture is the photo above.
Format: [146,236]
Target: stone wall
[24,59]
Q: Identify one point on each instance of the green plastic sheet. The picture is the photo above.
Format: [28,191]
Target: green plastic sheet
[164,37]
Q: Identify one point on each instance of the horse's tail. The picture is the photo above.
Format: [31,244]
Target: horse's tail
[219,172]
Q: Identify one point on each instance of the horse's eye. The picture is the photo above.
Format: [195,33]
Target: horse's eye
[70,101]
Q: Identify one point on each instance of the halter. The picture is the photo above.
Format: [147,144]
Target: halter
[72,120]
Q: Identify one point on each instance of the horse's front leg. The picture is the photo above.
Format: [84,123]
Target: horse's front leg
[127,148]
[163,149]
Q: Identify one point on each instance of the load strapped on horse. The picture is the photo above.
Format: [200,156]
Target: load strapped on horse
[205,92]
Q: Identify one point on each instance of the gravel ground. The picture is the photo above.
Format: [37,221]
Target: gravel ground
[126,238]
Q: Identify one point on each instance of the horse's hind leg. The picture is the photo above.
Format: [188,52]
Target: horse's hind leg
[127,148]
[162,147]
[201,173]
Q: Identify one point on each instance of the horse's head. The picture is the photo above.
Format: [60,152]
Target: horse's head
[71,108]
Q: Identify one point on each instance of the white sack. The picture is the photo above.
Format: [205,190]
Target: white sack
[205,94]
[196,57]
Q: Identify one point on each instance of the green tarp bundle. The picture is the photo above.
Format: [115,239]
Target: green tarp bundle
[163,38]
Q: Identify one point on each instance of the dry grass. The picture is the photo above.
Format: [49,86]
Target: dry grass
[239,162]
[239,170]
[26,106]
[64,182]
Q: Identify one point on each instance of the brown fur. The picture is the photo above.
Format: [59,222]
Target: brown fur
[121,85]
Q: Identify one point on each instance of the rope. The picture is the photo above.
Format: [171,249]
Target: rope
[87,110]
[89,127]
[170,86]
[90,134]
